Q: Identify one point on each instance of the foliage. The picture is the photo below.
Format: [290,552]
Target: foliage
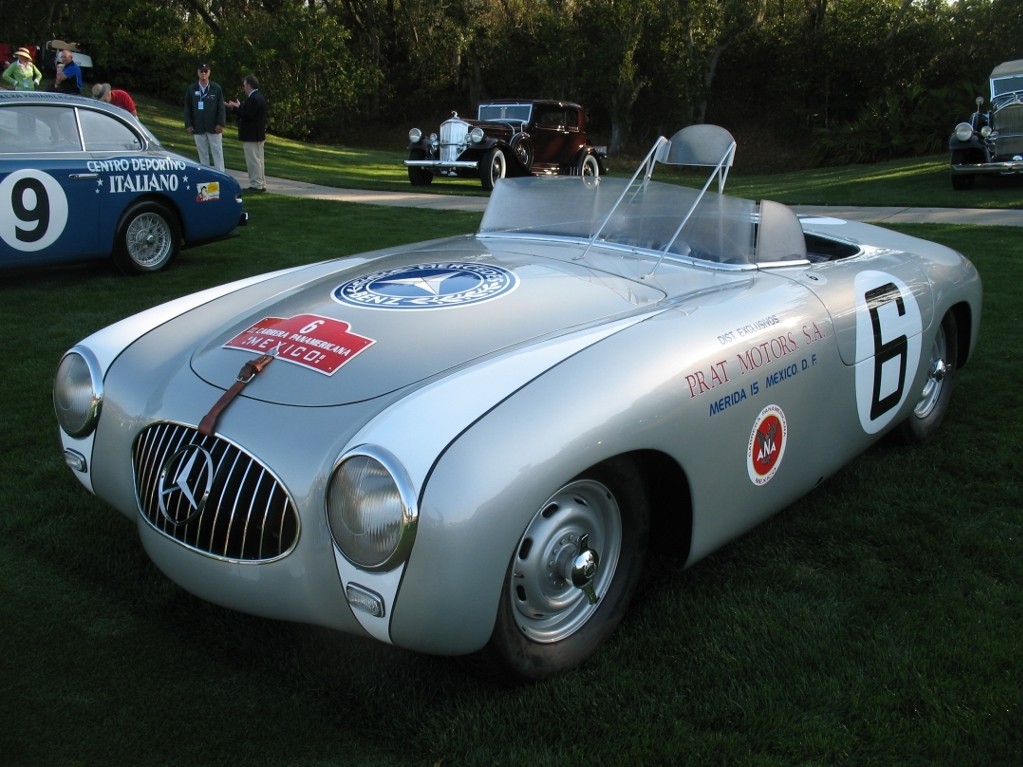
[901,124]
[303,62]
[832,71]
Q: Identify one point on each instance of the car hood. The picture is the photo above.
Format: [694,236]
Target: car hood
[362,332]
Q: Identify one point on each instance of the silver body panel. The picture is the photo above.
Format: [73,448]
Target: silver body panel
[595,350]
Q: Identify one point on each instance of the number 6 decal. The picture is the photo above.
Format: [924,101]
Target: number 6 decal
[888,328]
[34,210]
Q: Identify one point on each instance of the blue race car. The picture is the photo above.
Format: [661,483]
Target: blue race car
[81,179]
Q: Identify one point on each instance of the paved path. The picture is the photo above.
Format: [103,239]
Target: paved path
[890,215]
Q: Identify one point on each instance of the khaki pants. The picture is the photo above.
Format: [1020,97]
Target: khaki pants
[211,149]
[254,163]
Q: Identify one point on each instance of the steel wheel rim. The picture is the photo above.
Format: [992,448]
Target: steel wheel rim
[935,376]
[546,606]
[148,239]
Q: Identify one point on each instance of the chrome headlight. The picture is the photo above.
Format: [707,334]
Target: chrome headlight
[434,141]
[415,135]
[371,509]
[986,132]
[476,135]
[964,131]
[78,393]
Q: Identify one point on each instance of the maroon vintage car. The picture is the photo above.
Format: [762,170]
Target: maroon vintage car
[509,137]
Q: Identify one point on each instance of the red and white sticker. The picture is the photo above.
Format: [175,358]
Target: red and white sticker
[318,343]
[766,445]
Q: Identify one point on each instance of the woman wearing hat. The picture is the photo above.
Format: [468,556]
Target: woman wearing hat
[23,74]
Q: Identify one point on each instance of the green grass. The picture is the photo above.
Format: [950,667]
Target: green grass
[920,182]
[875,622]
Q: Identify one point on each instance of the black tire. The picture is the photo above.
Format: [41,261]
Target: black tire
[588,167]
[493,167]
[148,240]
[523,151]
[545,624]
[419,176]
[961,183]
[930,410]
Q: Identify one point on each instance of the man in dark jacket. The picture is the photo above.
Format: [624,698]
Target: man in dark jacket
[205,115]
[252,131]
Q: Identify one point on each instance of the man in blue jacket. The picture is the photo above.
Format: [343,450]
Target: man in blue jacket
[69,74]
[205,115]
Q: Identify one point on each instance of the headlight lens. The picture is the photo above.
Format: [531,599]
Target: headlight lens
[370,509]
[985,132]
[415,135]
[78,393]
[476,135]
[964,131]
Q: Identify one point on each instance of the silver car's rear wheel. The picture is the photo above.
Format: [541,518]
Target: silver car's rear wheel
[936,394]
[572,574]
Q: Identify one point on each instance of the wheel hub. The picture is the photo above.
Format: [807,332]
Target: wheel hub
[559,576]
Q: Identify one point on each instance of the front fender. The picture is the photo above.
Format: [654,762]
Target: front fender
[489,483]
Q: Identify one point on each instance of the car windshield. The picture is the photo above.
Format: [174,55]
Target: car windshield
[645,216]
[714,228]
[1004,85]
[505,112]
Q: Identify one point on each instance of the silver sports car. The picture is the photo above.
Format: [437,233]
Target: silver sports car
[465,446]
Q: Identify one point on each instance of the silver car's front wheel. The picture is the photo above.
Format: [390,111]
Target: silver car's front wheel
[148,240]
[572,574]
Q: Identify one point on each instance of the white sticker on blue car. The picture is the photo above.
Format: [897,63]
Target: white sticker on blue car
[38,210]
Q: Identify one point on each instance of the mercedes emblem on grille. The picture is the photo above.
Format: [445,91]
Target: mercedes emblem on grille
[185,482]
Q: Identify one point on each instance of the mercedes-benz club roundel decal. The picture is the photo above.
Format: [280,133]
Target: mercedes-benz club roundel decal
[437,285]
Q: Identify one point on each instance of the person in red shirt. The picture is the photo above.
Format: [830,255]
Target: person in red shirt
[118,98]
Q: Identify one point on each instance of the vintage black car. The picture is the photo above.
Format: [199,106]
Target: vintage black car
[509,137]
[991,142]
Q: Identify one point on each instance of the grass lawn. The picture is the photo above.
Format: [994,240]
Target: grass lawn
[875,622]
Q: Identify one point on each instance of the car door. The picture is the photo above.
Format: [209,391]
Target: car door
[49,197]
[555,135]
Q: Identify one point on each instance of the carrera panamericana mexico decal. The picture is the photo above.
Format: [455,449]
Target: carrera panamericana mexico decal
[318,343]
[437,285]
[39,210]
[888,328]
[766,445]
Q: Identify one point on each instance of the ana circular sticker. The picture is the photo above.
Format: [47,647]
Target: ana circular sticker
[439,285]
[38,210]
[766,445]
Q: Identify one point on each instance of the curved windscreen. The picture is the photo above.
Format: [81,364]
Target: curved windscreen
[663,218]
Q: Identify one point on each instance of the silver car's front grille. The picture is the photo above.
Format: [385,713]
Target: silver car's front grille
[211,496]
[452,139]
